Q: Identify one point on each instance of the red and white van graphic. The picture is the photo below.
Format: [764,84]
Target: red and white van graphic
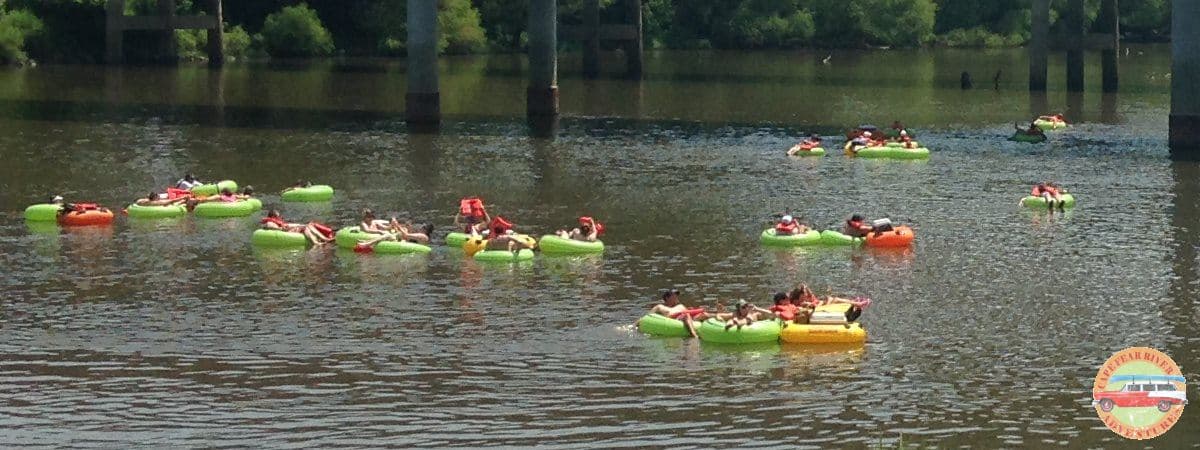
[1141,390]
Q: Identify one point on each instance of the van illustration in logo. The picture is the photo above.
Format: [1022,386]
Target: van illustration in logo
[1140,391]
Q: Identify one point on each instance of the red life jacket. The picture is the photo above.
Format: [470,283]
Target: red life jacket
[585,220]
[322,228]
[785,312]
[81,207]
[173,193]
[499,226]
[471,207]
[275,220]
[785,228]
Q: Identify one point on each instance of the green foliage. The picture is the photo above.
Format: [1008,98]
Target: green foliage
[771,24]
[905,23]
[73,30]
[236,42]
[1145,16]
[459,29]
[296,31]
[15,27]
[979,37]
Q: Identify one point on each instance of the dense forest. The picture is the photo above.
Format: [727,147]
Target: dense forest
[73,30]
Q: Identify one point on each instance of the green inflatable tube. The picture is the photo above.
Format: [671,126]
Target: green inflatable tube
[768,237]
[714,331]
[901,144]
[314,193]
[1037,202]
[551,244]
[659,325]
[278,239]
[504,255]
[818,151]
[214,189]
[831,237]
[456,239]
[240,208]
[350,237]
[42,212]
[1047,125]
[155,212]
[1029,138]
[893,153]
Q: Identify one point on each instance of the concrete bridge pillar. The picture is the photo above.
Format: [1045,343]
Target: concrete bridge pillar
[1074,35]
[1185,80]
[423,99]
[542,94]
[216,36]
[1110,22]
[1039,43]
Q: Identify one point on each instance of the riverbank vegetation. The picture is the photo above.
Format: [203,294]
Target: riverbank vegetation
[73,30]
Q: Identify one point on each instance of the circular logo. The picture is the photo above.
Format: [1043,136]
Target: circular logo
[1139,393]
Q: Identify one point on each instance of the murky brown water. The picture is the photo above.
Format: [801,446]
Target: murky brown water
[988,333]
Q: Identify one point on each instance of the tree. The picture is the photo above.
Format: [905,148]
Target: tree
[770,24]
[15,27]
[296,31]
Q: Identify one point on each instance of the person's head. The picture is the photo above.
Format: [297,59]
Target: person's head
[743,308]
[857,218]
[585,224]
[904,133]
[153,196]
[248,190]
[814,136]
[786,219]
[368,214]
[57,199]
[1041,185]
[302,183]
[670,296]
[781,299]
[866,134]
[273,213]
[226,192]
[188,177]
[795,295]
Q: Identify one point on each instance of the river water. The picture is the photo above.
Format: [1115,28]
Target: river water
[988,332]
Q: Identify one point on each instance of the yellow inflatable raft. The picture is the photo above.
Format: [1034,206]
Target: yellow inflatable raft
[826,332]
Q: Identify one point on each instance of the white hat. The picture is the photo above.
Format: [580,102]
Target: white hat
[787,219]
[904,132]
[866,134]
[57,198]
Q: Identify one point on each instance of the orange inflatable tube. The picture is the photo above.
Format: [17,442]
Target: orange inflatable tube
[898,237]
[102,216]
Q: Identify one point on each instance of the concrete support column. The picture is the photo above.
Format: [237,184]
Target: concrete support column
[114,36]
[1074,37]
[166,50]
[1039,45]
[591,43]
[633,49]
[542,94]
[1185,80]
[216,38]
[423,100]
[1110,23]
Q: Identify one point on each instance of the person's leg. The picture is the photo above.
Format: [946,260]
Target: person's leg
[691,326]
[417,237]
